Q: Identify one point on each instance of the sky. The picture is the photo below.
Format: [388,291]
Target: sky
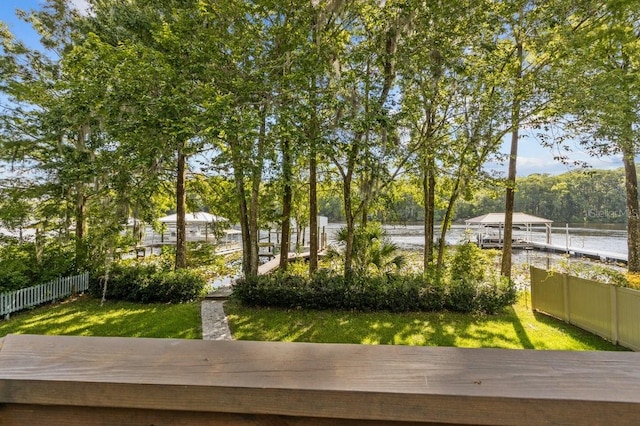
[532,158]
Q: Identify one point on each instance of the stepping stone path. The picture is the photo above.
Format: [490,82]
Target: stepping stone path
[214,320]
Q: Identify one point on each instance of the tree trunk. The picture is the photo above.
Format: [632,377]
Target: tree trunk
[238,176]
[509,207]
[285,244]
[633,210]
[181,210]
[446,222]
[81,205]
[81,226]
[299,235]
[429,187]
[313,211]
[511,179]
[256,179]
[349,217]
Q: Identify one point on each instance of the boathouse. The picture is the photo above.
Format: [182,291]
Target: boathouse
[490,227]
[200,227]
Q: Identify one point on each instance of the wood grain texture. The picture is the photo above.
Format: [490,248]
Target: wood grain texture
[19,414]
[301,380]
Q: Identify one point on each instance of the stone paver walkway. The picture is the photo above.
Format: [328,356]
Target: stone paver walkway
[214,320]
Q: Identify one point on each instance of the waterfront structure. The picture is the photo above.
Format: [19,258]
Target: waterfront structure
[490,226]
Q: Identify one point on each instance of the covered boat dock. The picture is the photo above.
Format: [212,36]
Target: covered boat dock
[490,229]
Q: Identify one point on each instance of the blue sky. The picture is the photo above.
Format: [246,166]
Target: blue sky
[532,158]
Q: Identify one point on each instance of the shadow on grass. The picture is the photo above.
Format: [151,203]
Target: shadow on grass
[512,328]
[583,336]
[521,333]
[85,317]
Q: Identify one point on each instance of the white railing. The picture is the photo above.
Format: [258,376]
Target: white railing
[32,296]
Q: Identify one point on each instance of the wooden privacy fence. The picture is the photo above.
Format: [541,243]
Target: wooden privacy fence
[32,296]
[69,380]
[606,310]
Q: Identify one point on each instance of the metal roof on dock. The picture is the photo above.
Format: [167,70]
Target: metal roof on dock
[498,219]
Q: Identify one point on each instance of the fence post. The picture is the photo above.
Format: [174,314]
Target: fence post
[565,288]
[533,287]
[614,313]
[3,306]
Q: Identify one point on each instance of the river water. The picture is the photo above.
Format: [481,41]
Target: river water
[607,237]
[612,238]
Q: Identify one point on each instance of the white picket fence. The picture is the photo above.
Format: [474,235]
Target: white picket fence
[32,296]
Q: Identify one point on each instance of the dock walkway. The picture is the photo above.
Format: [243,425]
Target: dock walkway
[603,255]
[274,263]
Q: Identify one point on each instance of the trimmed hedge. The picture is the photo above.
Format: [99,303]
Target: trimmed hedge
[409,293]
[150,284]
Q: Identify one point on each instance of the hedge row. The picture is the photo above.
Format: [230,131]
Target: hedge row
[381,293]
[150,284]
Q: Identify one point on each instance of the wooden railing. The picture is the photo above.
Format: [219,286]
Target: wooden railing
[60,380]
[32,296]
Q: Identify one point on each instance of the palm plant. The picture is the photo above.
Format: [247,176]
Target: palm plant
[373,252]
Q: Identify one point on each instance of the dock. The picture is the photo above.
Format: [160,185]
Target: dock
[495,243]
[603,255]
[274,263]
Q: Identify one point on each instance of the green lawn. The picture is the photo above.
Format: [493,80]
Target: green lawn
[85,317]
[518,328]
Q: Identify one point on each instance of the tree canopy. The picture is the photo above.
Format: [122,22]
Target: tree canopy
[261,110]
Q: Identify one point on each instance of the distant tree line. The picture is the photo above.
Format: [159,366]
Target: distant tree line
[581,196]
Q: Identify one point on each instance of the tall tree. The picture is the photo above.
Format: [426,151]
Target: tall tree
[365,134]
[453,105]
[599,97]
[533,29]
[164,59]
[52,129]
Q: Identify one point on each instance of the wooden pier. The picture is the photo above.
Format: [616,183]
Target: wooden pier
[274,263]
[603,255]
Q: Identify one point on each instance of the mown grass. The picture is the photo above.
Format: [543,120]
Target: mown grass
[85,317]
[515,328]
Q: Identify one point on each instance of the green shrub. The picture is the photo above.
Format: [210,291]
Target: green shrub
[178,286]
[469,264]
[148,283]
[462,296]
[469,284]
[14,274]
[492,297]
[373,252]
[372,293]
[473,285]
[21,265]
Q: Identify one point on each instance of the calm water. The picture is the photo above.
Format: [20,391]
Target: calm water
[612,238]
[607,238]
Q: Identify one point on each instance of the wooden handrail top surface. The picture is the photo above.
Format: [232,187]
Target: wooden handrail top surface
[402,383]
